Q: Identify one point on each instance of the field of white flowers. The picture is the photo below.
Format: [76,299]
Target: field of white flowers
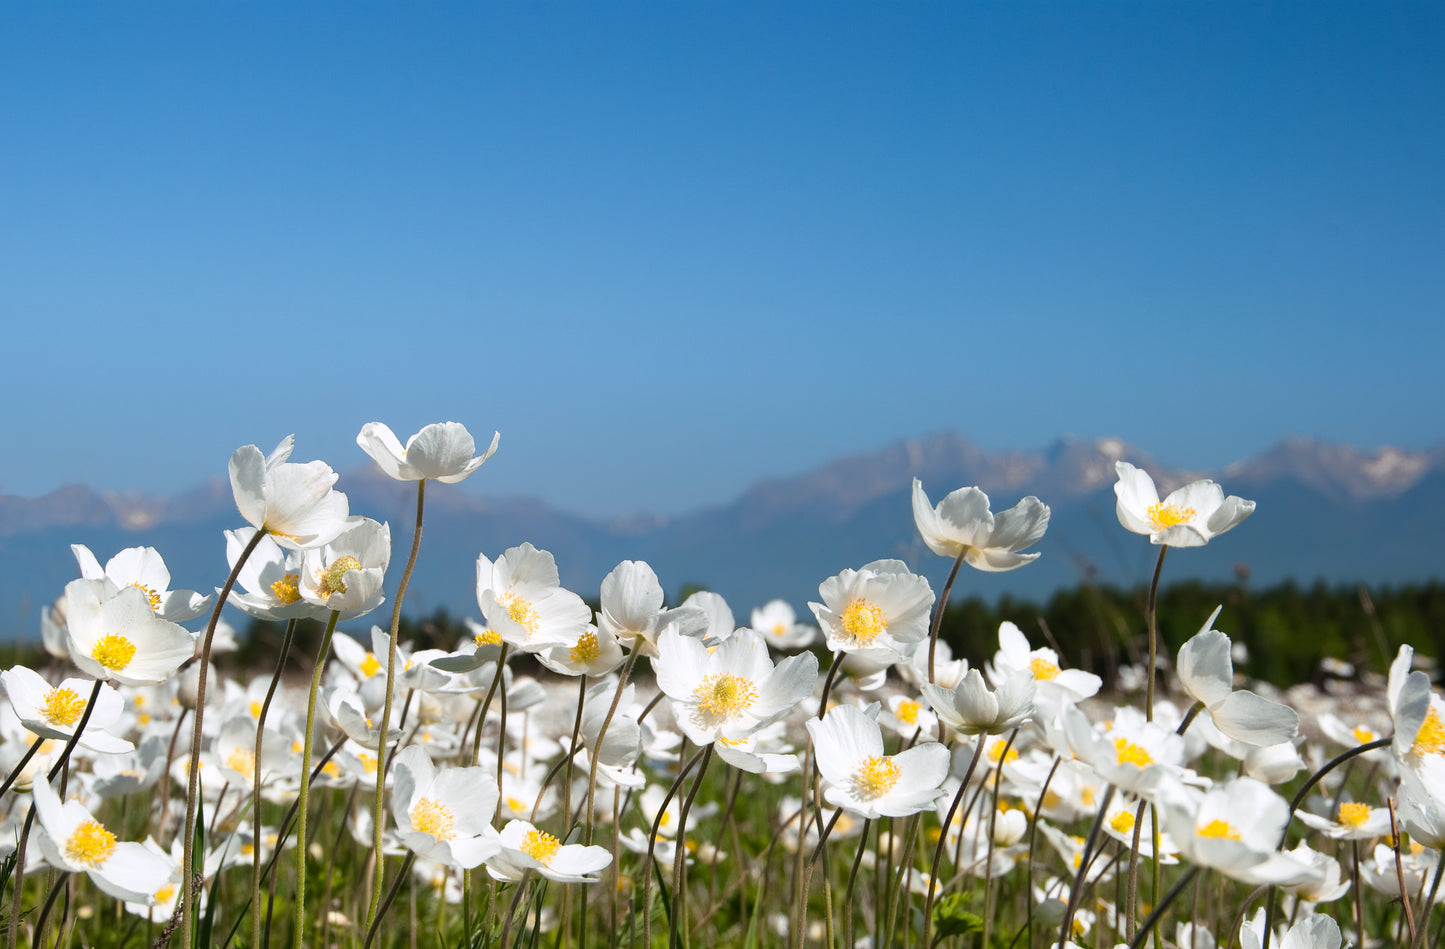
[673,778]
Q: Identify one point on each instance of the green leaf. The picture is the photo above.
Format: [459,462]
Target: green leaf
[952,918]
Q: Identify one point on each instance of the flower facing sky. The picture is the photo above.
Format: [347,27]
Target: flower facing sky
[522,598]
[963,524]
[444,815]
[441,451]
[294,503]
[862,779]
[882,605]
[143,567]
[1188,517]
[74,841]
[115,634]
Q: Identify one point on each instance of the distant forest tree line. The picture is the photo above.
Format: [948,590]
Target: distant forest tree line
[1287,629]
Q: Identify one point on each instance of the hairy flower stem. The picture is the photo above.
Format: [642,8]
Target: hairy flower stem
[385,904]
[1131,898]
[1152,920]
[1400,873]
[1076,892]
[1152,615]
[602,733]
[943,837]
[679,855]
[184,907]
[378,812]
[938,622]
[652,845]
[299,929]
[852,882]
[286,642]
[567,781]
[487,704]
[1428,906]
[25,760]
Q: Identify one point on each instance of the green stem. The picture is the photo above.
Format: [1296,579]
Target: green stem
[938,619]
[981,740]
[378,812]
[286,642]
[1153,619]
[299,929]
[185,902]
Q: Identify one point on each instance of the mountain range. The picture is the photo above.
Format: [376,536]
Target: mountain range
[1325,512]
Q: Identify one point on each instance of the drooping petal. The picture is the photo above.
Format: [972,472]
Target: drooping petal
[1250,718]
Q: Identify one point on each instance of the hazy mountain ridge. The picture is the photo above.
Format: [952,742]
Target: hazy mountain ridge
[1325,510]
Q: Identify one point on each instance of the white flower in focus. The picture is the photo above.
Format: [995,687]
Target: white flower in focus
[1014,657]
[1312,932]
[881,606]
[963,524]
[55,712]
[732,691]
[444,815]
[524,848]
[116,635]
[441,451]
[522,599]
[865,781]
[631,605]
[1188,517]
[1206,671]
[269,581]
[346,573]
[143,567]
[74,841]
[1234,827]
[294,503]
[974,709]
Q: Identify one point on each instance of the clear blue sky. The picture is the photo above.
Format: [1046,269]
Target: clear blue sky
[670,248]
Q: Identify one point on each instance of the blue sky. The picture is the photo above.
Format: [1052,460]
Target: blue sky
[668,249]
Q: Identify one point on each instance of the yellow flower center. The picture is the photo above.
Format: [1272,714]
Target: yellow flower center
[864,621]
[1430,739]
[1122,822]
[516,805]
[488,637]
[725,695]
[287,589]
[996,752]
[63,707]
[908,711]
[164,894]
[1130,753]
[243,762]
[332,580]
[368,762]
[331,769]
[540,846]
[370,665]
[1218,828]
[114,652]
[875,777]
[780,629]
[1043,670]
[586,649]
[1364,735]
[90,845]
[151,595]
[1354,814]
[522,612]
[1165,516]
[431,817]
[255,708]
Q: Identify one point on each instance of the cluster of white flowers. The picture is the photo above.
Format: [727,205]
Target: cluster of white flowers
[486,767]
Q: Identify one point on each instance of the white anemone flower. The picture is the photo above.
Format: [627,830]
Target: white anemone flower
[346,573]
[1206,671]
[442,451]
[269,581]
[116,635]
[1188,517]
[524,848]
[862,779]
[631,605]
[74,841]
[54,712]
[522,599]
[143,567]
[975,709]
[1234,827]
[778,624]
[1014,657]
[1312,932]
[1354,820]
[962,524]
[294,503]
[732,691]
[596,652]
[444,815]
[1133,754]
[881,606]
